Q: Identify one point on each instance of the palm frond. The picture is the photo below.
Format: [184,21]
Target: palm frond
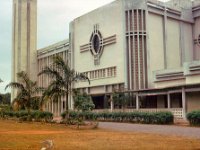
[38,89]
[55,91]
[58,62]
[50,72]
[24,77]
[81,77]
[15,85]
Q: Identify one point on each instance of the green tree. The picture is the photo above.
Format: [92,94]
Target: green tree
[62,78]
[83,102]
[27,92]
[121,99]
[5,98]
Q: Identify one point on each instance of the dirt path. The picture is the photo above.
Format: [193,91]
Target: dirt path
[31,132]
[190,132]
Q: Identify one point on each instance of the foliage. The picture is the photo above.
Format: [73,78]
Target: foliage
[121,99]
[194,118]
[26,92]
[83,102]
[133,117]
[24,115]
[5,98]
[5,107]
[62,77]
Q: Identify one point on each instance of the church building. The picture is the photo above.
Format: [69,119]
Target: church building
[148,49]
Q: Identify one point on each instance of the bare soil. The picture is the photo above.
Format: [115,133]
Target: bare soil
[24,136]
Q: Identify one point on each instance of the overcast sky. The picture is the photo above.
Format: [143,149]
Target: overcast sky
[53,20]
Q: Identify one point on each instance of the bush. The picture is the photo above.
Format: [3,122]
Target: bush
[5,107]
[194,118]
[23,115]
[42,116]
[135,117]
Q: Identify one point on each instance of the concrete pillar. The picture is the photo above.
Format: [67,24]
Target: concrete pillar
[24,41]
[184,103]
[49,106]
[59,107]
[71,101]
[111,103]
[56,108]
[137,102]
[168,101]
[52,106]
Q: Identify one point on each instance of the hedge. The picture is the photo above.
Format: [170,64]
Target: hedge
[194,118]
[23,115]
[133,117]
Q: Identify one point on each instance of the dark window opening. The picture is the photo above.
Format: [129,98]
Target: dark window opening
[148,102]
[99,102]
[176,100]
[63,105]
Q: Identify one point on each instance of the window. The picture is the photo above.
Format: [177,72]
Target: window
[101,73]
[198,40]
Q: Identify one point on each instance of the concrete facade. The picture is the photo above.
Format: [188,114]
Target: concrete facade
[24,52]
[45,58]
[145,48]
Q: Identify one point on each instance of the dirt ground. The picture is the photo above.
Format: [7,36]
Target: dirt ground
[24,136]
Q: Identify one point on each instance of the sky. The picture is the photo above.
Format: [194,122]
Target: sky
[53,21]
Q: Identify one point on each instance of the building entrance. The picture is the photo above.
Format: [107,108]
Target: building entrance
[99,101]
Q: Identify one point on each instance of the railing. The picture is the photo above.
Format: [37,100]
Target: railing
[177,112]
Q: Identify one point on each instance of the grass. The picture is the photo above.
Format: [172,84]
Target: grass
[23,136]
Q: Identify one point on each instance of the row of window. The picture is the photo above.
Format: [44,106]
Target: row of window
[101,73]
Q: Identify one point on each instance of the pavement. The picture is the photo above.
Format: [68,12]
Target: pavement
[189,132]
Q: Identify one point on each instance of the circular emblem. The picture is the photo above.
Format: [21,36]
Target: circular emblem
[96,43]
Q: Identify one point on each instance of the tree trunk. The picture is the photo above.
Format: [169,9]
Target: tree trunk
[67,106]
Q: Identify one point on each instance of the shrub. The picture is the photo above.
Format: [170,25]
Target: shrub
[83,102]
[5,107]
[23,115]
[135,117]
[194,118]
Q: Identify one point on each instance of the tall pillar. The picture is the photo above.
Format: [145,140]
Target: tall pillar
[71,100]
[111,103]
[52,107]
[184,103]
[24,40]
[49,108]
[137,102]
[59,111]
[61,105]
[168,101]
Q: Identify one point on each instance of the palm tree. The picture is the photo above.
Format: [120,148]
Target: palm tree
[62,78]
[26,92]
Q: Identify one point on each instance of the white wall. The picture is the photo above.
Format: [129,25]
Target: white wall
[173,44]
[156,45]
[110,21]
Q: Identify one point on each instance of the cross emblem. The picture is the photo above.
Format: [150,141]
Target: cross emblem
[197,41]
[97,43]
